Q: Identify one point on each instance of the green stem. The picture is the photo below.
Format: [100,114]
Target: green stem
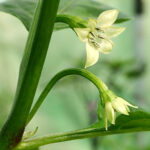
[30,71]
[72,21]
[82,72]
[68,136]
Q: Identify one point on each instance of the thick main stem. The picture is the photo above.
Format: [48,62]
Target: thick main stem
[73,71]
[30,71]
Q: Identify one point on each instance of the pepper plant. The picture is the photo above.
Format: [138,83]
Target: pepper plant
[94,24]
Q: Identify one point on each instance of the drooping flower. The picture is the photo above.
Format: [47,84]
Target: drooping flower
[114,105]
[97,35]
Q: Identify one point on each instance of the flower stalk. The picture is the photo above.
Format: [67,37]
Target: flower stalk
[74,71]
[110,101]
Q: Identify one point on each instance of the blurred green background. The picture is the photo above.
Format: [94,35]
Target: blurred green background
[72,104]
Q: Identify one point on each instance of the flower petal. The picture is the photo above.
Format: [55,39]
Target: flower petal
[113,31]
[119,106]
[110,113]
[107,18]
[82,33]
[105,46]
[92,24]
[126,103]
[127,108]
[92,55]
[105,121]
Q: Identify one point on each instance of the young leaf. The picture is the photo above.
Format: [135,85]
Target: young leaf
[22,9]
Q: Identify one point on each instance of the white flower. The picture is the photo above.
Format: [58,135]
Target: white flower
[97,35]
[117,104]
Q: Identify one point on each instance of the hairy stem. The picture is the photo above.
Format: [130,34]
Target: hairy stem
[30,71]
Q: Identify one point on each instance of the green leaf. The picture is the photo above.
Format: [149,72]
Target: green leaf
[22,9]
[137,121]
[83,9]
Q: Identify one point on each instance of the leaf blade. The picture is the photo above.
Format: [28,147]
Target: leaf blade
[24,10]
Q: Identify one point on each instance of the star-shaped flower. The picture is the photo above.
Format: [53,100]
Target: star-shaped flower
[97,35]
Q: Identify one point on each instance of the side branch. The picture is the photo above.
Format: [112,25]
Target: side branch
[74,135]
[81,72]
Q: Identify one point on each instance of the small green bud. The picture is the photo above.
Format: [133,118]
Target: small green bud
[29,134]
